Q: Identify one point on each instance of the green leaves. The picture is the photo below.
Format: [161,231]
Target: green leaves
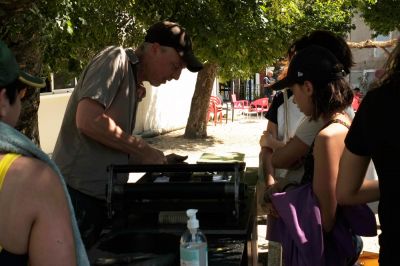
[240,36]
[381,16]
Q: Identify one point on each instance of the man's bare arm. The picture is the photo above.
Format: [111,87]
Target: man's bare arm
[94,123]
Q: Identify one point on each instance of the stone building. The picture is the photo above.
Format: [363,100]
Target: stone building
[367,60]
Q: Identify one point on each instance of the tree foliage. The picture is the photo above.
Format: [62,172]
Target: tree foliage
[241,36]
[236,37]
[82,28]
[381,16]
[244,36]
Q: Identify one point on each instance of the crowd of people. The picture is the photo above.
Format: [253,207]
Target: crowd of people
[334,162]
[313,160]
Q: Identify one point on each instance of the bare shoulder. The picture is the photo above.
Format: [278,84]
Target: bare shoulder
[31,166]
[334,130]
[332,136]
[33,174]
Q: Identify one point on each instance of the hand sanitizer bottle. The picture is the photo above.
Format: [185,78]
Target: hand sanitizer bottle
[193,247]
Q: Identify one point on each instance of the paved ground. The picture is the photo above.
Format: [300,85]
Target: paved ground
[242,136]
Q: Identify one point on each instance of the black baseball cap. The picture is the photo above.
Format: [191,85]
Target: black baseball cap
[10,71]
[173,35]
[313,63]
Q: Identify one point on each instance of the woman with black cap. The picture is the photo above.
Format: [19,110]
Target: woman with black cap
[309,214]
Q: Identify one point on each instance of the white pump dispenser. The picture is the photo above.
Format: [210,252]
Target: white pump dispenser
[192,223]
[193,247]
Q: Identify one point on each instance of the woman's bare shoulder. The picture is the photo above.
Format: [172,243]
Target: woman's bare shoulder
[334,130]
[32,173]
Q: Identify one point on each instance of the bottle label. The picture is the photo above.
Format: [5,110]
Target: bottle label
[194,257]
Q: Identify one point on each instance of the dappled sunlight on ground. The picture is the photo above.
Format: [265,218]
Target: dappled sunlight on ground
[242,136]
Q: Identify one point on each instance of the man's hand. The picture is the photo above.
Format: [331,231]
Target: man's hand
[266,139]
[149,155]
[140,93]
[175,158]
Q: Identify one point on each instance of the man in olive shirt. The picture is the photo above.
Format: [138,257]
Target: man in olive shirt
[100,117]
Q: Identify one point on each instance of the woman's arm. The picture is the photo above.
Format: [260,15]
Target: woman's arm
[266,154]
[290,154]
[51,240]
[328,148]
[351,186]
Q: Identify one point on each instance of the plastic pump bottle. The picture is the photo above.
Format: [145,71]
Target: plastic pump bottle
[193,247]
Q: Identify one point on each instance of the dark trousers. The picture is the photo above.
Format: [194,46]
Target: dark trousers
[268,94]
[90,214]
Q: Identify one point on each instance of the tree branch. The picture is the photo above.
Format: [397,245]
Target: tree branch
[373,44]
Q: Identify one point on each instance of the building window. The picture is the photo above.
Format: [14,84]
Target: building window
[378,52]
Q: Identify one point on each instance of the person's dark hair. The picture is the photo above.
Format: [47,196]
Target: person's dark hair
[334,43]
[13,89]
[333,97]
[330,98]
[391,76]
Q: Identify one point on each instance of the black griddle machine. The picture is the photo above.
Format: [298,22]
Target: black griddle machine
[163,193]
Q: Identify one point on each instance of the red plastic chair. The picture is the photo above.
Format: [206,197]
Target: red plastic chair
[239,104]
[215,107]
[259,106]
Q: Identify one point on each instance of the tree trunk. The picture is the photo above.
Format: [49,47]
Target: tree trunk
[25,46]
[28,122]
[196,126]
[29,58]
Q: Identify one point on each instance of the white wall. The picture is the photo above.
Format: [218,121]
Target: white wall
[165,108]
[51,112]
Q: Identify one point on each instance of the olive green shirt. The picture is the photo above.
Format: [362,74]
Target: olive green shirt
[109,79]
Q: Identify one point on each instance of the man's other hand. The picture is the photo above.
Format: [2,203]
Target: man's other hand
[175,158]
[149,155]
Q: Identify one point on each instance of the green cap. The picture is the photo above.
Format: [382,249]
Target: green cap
[9,70]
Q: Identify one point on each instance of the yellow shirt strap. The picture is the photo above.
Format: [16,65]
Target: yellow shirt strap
[5,164]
